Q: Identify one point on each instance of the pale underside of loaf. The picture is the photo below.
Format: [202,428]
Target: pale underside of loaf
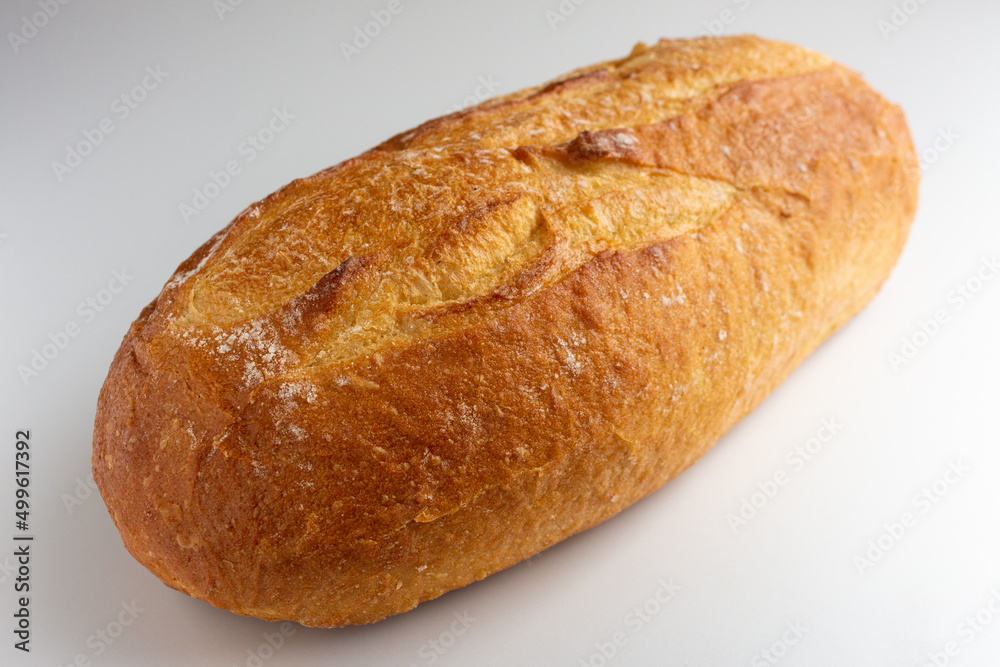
[486,334]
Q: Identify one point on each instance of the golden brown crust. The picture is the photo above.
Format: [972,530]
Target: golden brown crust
[434,360]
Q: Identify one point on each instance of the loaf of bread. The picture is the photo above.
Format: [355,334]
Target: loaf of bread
[429,362]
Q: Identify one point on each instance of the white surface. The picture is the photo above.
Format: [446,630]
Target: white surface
[793,562]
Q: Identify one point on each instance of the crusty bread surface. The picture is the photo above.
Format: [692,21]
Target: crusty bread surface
[432,361]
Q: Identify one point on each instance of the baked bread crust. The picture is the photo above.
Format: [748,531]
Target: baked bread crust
[436,359]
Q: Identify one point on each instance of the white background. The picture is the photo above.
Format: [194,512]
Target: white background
[794,562]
